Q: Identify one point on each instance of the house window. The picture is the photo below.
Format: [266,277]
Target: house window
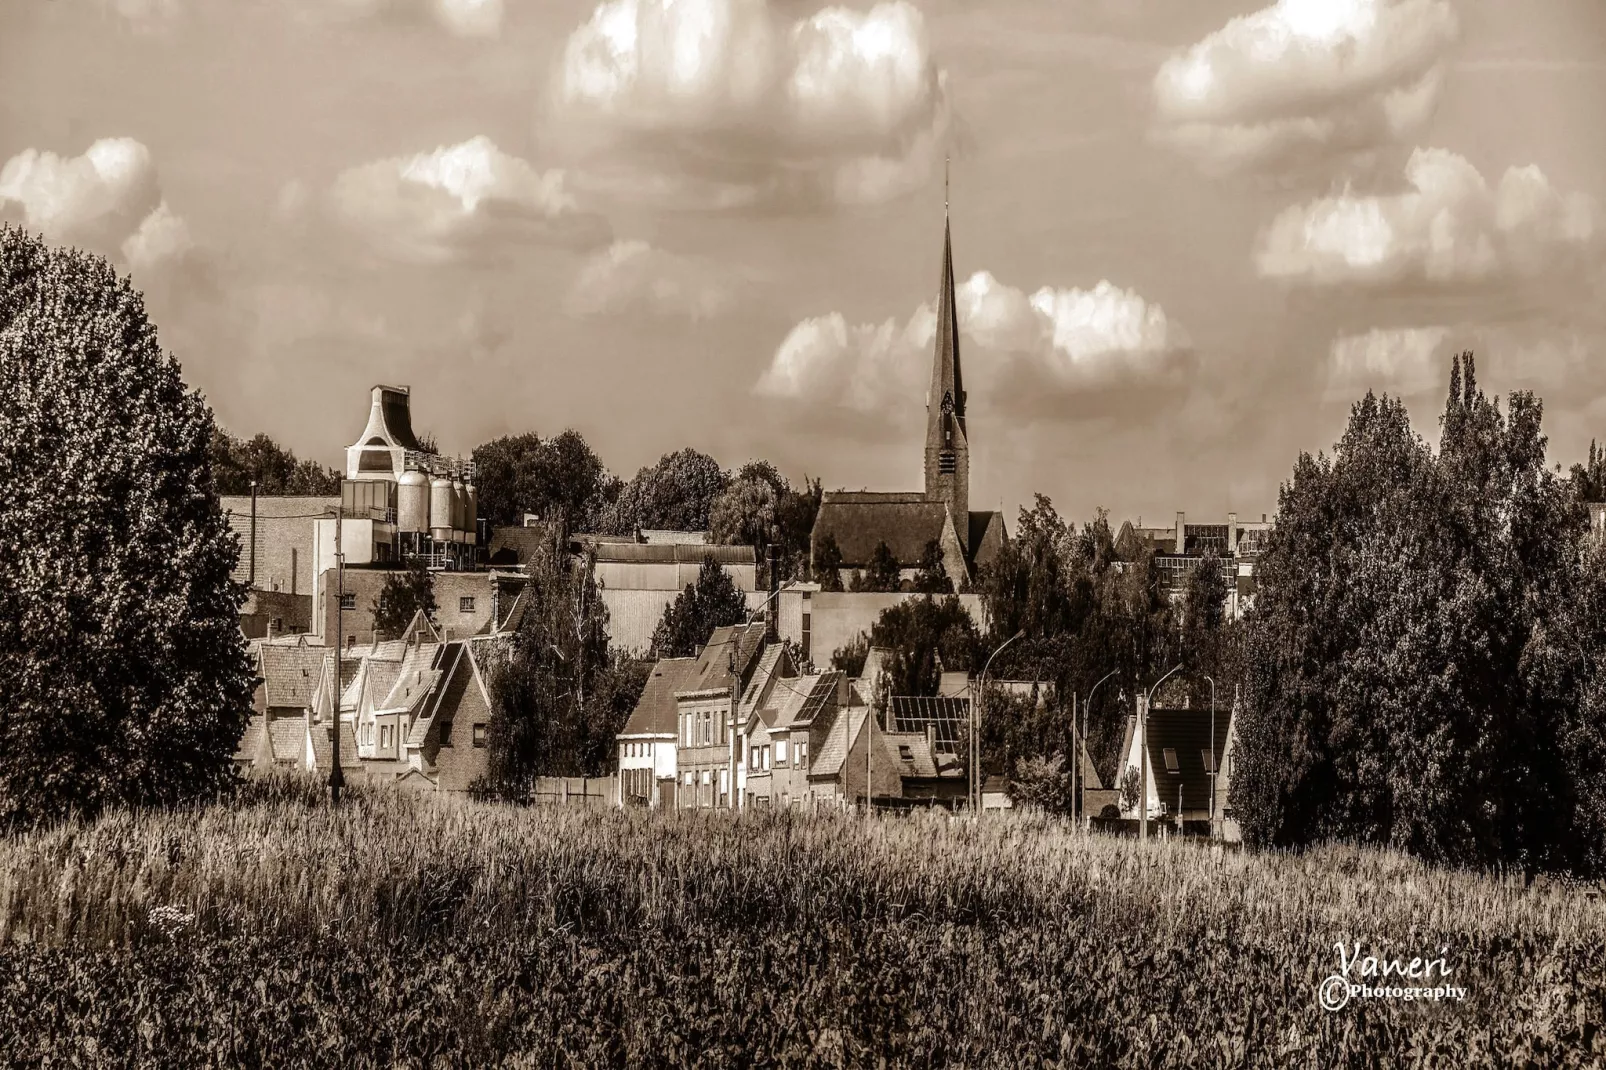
[348,601]
[384,736]
[753,759]
[277,624]
[708,728]
[479,733]
[780,752]
[906,752]
[724,781]
[465,604]
[688,780]
[1170,760]
[1209,761]
[705,778]
[446,733]
[801,753]
[766,757]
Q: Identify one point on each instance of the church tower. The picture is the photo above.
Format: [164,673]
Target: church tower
[947,447]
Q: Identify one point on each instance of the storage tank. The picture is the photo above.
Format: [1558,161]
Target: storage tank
[459,509]
[412,502]
[473,514]
[440,509]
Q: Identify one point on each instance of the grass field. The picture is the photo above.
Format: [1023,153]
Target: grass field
[446,932]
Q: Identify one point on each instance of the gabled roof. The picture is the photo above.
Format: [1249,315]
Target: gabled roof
[799,701]
[287,737]
[773,664]
[860,521]
[1186,732]
[290,673]
[987,537]
[827,762]
[728,658]
[655,711]
[318,734]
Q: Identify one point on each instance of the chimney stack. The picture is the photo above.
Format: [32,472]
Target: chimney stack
[771,618]
[1232,533]
[1182,537]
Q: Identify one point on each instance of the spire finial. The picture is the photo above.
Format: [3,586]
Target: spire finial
[945,161]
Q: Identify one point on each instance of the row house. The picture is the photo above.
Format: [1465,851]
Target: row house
[790,739]
[1189,769]
[413,712]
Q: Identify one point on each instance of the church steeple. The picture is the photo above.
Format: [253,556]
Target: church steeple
[947,447]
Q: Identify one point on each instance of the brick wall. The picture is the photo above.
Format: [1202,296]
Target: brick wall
[287,613]
[283,539]
[453,616]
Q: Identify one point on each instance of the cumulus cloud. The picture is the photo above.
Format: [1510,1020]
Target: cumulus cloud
[1059,341]
[460,202]
[109,200]
[724,103]
[1306,78]
[1450,227]
[633,277]
[1400,360]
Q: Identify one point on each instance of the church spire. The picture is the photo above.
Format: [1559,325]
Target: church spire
[947,445]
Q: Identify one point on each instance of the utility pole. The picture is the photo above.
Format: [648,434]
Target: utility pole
[253,571]
[1143,756]
[1087,712]
[1212,756]
[975,721]
[337,780]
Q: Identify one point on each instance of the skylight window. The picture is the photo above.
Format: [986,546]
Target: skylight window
[1209,761]
[1171,760]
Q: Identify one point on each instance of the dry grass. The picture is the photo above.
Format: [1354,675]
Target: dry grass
[408,931]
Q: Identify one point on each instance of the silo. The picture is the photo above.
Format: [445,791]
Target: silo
[459,509]
[473,514]
[440,509]
[412,502]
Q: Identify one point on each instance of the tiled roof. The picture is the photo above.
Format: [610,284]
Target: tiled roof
[775,662]
[836,744]
[290,673]
[799,701]
[987,536]
[323,748]
[289,738]
[251,738]
[674,553]
[519,545]
[906,526]
[914,758]
[730,649]
[1187,733]
[655,709]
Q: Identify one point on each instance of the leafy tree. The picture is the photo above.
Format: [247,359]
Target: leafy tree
[712,602]
[1205,596]
[1131,790]
[236,462]
[745,515]
[123,673]
[932,577]
[557,478]
[1407,683]
[881,572]
[559,696]
[828,564]
[925,637]
[850,658]
[676,493]
[404,594]
[1589,479]
[1044,782]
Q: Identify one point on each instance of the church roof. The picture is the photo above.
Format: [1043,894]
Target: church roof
[905,523]
[987,536]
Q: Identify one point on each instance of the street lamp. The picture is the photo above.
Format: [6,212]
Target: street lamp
[1143,759]
[1213,776]
[1079,740]
[975,721]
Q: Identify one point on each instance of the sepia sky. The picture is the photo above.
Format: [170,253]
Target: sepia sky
[1187,233]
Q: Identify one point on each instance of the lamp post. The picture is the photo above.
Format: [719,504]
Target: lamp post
[337,779]
[1213,776]
[975,721]
[1079,744]
[1143,757]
